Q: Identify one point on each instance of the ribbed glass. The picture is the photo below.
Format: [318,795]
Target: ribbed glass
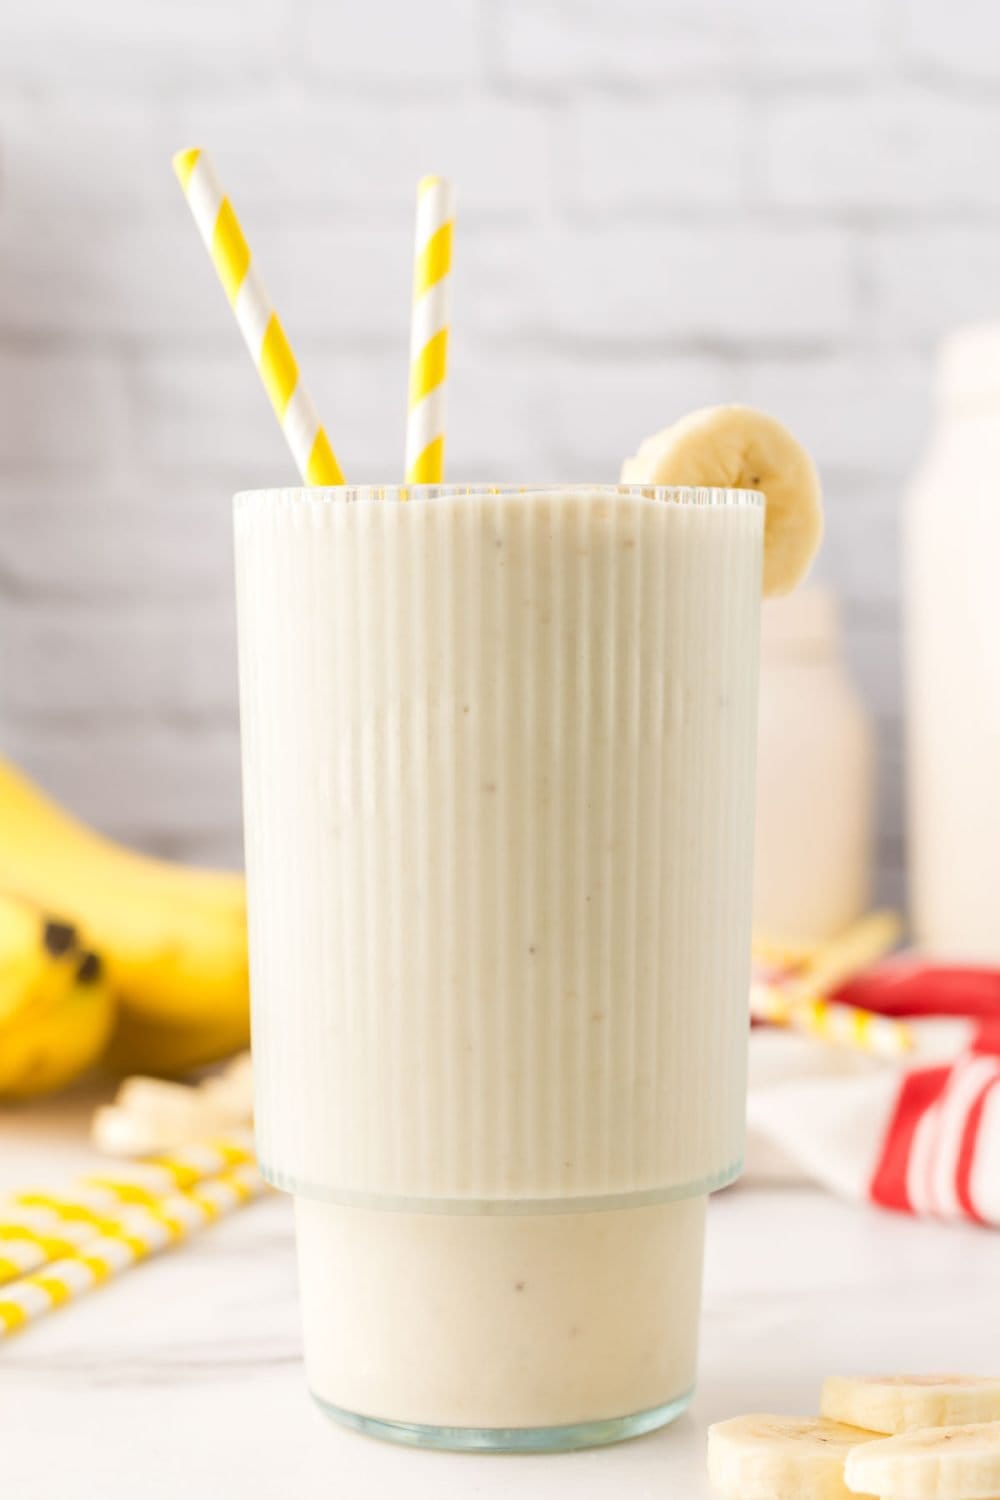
[498,782]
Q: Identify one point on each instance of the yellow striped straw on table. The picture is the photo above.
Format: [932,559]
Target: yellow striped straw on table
[33,1237]
[265,338]
[111,1251]
[846,1025]
[830,962]
[851,952]
[798,1000]
[38,1227]
[429,328]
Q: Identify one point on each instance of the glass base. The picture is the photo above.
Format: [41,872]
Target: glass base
[511,1439]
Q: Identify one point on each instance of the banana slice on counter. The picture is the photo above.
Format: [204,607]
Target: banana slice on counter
[154,1114]
[781,1458]
[117,1133]
[231,1091]
[737,447]
[940,1463]
[178,1111]
[906,1403]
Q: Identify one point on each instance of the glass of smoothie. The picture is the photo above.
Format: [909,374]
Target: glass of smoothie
[498,778]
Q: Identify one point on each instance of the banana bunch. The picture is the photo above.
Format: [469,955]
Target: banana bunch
[56,1008]
[167,987]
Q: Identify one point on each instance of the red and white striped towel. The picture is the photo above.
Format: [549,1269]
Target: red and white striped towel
[921,1136]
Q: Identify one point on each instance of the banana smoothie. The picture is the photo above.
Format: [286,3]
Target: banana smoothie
[498,784]
[499,781]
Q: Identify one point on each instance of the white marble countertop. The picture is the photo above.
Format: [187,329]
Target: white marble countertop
[183,1378]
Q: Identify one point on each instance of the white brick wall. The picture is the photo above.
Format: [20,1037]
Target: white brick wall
[663,203]
[879,147]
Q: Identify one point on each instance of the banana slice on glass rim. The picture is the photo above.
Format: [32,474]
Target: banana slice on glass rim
[940,1463]
[907,1403]
[782,1458]
[737,447]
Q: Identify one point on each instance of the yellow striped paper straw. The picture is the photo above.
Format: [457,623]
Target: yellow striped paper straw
[107,1254]
[265,338]
[102,1195]
[797,999]
[851,952]
[831,962]
[429,331]
[848,1025]
[44,1235]
[33,1237]
[180,1168]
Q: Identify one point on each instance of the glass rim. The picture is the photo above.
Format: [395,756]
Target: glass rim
[683,495]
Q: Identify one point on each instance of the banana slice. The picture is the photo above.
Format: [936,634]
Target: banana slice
[781,1458]
[941,1463]
[906,1403]
[231,1091]
[739,448]
[153,1114]
[117,1133]
[178,1110]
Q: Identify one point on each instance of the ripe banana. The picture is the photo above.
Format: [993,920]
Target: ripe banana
[142,1044]
[740,448]
[37,956]
[940,1463]
[781,1458]
[53,1037]
[173,939]
[907,1403]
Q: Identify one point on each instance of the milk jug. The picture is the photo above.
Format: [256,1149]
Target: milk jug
[952,594]
[815,775]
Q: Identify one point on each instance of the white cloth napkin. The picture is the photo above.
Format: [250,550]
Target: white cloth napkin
[920,1136]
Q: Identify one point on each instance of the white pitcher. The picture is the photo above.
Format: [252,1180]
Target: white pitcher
[952,582]
[815,775]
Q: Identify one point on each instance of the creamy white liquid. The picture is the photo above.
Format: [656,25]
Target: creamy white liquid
[499,770]
[463,1320]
